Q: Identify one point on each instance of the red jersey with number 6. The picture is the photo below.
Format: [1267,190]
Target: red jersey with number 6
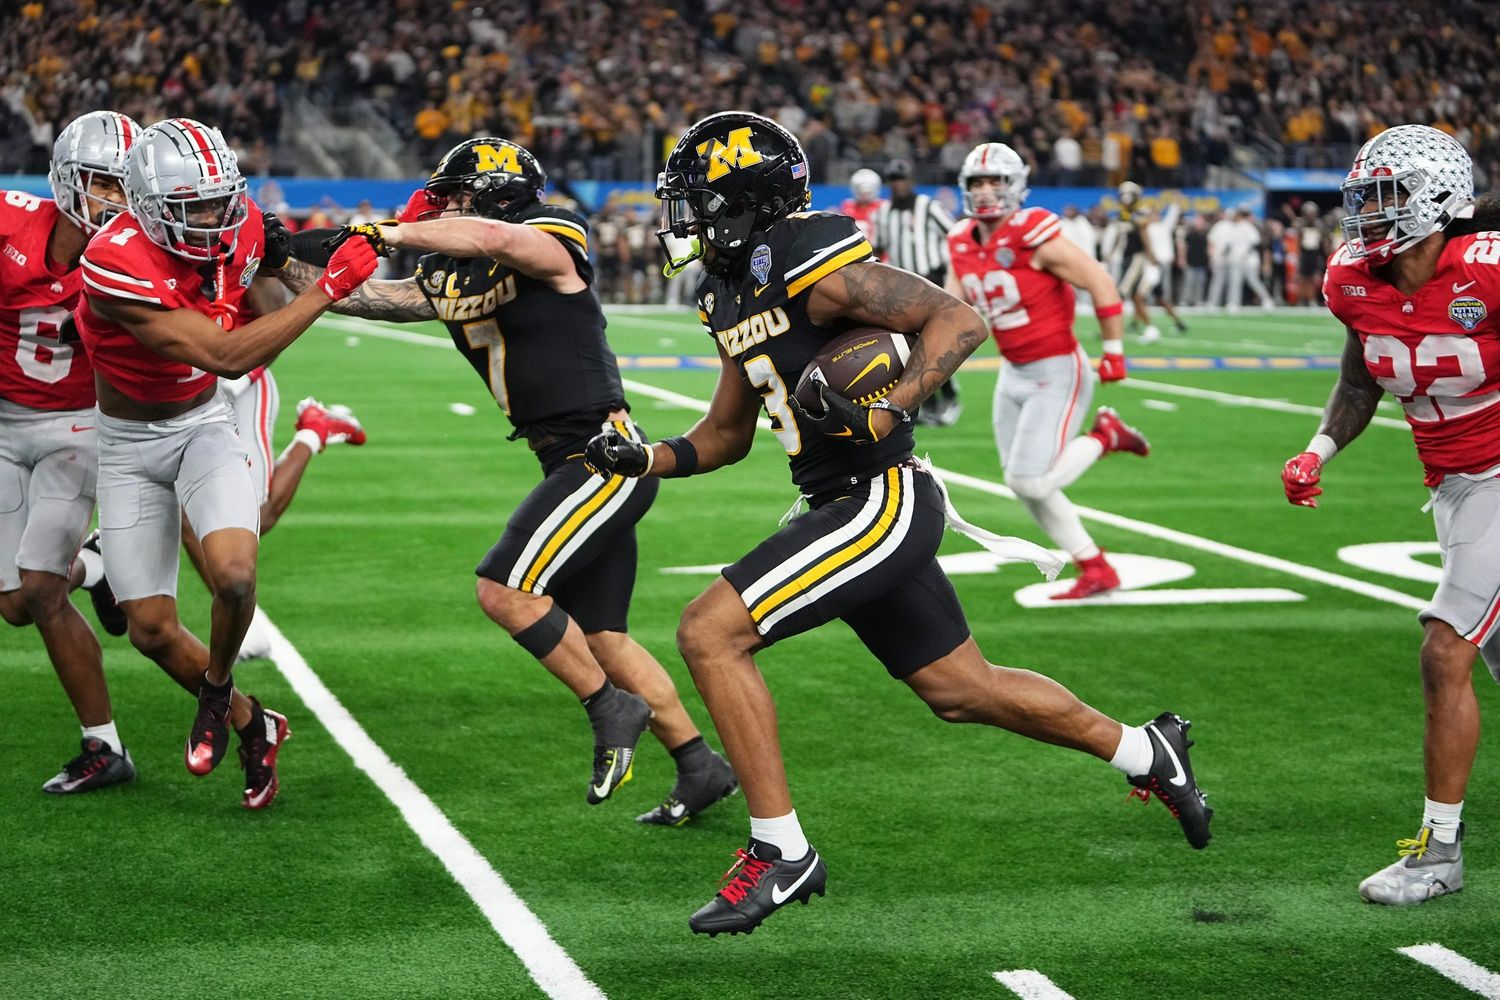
[42,365]
[121,262]
[1030,311]
[1437,352]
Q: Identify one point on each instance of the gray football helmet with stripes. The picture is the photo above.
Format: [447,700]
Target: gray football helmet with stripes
[184,186]
[999,161]
[91,145]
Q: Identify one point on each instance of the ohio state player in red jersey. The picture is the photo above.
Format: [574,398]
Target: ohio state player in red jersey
[164,285]
[48,452]
[865,201]
[1017,269]
[1417,285]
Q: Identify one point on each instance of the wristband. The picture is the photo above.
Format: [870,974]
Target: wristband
[1113,346]
[902,416]
[309,438]
[1113,309]
[686,455]
[1323,446]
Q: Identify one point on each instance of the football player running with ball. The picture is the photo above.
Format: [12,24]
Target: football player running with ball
[778,283]
[160,319]
[49,458]
[509,275]
[1413,285]
[1014,265]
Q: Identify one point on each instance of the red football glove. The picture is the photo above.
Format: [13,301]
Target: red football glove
[1299,477]
[1111,367]
[347,269]
[422,204]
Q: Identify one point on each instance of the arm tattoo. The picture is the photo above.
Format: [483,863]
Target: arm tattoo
[1354,398]
[394,301]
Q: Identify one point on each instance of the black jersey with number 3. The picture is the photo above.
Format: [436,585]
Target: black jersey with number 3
[758,315]
[542,353]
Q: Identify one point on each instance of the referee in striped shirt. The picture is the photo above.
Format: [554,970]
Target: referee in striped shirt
[911,233]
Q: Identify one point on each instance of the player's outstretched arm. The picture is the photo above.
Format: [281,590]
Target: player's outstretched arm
[721,438]
[393,301]
[190,337]
[1348,412]
[532,251]
[948,329]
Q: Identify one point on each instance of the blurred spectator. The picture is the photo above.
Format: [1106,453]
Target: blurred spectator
[1194,255]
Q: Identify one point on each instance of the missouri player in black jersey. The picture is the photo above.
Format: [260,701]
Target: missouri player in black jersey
[509,276]
[778,282]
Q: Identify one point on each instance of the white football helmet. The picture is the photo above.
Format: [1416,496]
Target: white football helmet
[1406,184]
[864,185]
[95,143]
[997,160]
[1129,193]
[184,186]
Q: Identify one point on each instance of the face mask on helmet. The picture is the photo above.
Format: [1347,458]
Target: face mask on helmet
[203,227]
[87,172]
[1006,171]
[184,187]
[1407,183]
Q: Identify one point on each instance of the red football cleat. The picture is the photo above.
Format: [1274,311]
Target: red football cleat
[1116,435]
[260,744]
[1095,576]
[332,424]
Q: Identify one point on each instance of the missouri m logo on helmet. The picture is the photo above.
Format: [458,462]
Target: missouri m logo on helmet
[501,178]
[730,175]
[730,154]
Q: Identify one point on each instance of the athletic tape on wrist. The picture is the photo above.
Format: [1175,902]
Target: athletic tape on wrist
[1323,446]
[542,636]
[686,455]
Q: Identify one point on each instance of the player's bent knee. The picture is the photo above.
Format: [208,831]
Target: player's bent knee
[1029,487]
[13,609]
[44,595]
[542,636]
[236,586]
[152,637]
[1446,657]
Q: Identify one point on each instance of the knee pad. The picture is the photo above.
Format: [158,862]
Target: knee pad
[542,636]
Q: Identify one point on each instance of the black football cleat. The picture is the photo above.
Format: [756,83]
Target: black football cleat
[757,885]
[694,792]
[106,608]
[1171,778]
[208,740]
[97,766]
[617,728]
[260,744]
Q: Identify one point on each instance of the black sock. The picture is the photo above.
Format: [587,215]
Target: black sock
[218,690]
[692,755]
[598,697]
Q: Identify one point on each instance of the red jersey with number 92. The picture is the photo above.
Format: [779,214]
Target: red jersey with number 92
[38,367]
[1437,352]
[121,262]
[1030,311]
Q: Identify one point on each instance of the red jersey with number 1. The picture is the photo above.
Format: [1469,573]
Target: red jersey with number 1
[1437,352]
[121,262]
[1030,311]
[42,365]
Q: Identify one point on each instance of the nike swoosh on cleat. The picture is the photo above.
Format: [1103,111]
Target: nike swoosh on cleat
[779,896]
[603,788]
[1460,288]
[1181,778]
[880,359]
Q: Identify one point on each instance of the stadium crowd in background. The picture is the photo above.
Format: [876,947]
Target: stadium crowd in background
[1096,91]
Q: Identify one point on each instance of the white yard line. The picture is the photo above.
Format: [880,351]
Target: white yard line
[1470,975]
[551,967]
[1029,984]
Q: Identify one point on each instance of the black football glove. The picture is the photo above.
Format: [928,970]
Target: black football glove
[278,242]
[612,453]
[842,418]
[368,230]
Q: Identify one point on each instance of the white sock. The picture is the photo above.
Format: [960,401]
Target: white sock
[105,734]
[93,567]
[784,832]
[1443,818]
[1059,519]
[1133,755]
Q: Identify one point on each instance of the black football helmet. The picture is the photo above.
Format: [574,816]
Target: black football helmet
[503,179]
[730,175]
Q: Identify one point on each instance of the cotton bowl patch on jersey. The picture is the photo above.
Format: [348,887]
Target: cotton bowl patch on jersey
[1468,312]
[862,365]
[760,263]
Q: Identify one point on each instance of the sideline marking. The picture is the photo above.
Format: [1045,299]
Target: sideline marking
[523,933]
[1470,975]
[1370,590]
[1029,984]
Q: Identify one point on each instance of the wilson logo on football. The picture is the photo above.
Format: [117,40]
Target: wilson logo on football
[732,153]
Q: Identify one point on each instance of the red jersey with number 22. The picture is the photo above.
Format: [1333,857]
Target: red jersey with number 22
[1437,352]
[121,262]
[1030,311]
[38,368]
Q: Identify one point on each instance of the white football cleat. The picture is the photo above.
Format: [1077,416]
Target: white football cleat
[1427,869]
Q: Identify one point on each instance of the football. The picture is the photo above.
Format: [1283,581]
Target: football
[862,365]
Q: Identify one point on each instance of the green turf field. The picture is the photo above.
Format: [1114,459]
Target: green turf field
[953,853]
